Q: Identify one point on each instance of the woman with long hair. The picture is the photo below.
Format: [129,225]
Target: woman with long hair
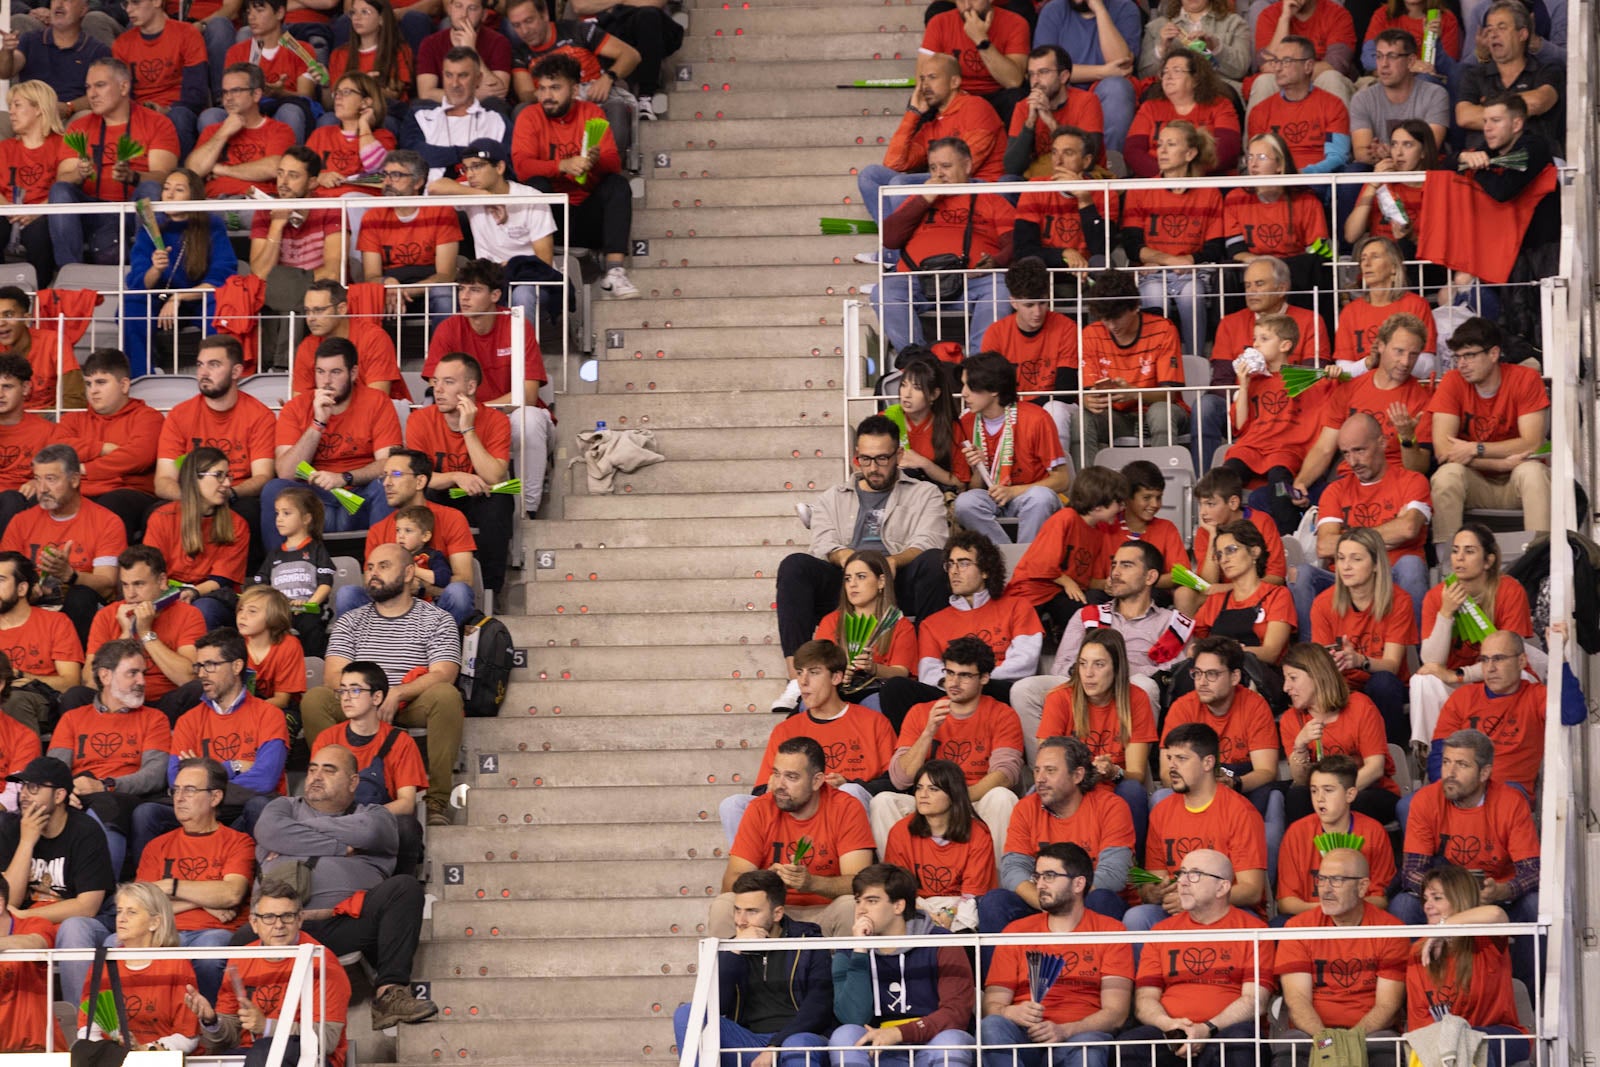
[1469,975]
[158,1015]
[204,540]
[376,47]
[868,591]
[1187,89]
[28,160]
[196,256]
[947,847]
[1173,228]
[265,621]
[1395,214]
[1383,292]
[1211,29]
[356,142]
[1254,612]
[929,412]
[1325,717]
[1367,623]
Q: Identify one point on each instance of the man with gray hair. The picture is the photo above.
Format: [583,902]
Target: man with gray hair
[1508,706]
[73,541]
[408,248]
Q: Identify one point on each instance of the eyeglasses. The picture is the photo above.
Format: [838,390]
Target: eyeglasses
[395,476]
[280,919]
[209,665]
[1469,353]
[187,791]
[351,691]
[875,461]
[1050,876]
[1392,56]
[1227,550]
[396,175]
[221,476]
[1191,876]
[1207,676]
[1261,157]
[962,675]
[345,94]
[1336,881]
[959,564]
[1494,661]
[236,90]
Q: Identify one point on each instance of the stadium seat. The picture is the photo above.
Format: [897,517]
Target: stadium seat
[1497,519]
[1402,770]
[314,667]
[1177,467]
[22,275]
[418,386]
[271,388]
[402,410]
[346,571]
[1011,553]
[163,391]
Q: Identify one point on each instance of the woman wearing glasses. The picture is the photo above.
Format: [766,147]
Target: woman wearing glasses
[205,541]
[355,142]
[1367,623]
[1258,615]
[1188,89]
[1326,718]
[158,1016]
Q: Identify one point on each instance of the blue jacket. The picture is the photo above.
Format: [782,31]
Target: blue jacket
[810,983]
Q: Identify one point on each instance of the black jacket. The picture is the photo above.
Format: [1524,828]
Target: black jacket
[810,983]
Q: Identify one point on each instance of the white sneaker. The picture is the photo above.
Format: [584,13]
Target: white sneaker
[789,700]
[647,109]
[867,257]
[804,511]
[617,286]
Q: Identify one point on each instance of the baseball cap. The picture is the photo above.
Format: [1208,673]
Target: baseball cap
[485,148]
[45,770]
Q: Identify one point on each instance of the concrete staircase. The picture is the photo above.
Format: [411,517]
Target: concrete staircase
[569,904]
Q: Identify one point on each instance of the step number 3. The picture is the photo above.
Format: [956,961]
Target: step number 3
[454,874]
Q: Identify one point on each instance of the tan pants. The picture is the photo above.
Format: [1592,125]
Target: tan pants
[994,809]
[1457,487]
[438,709]
[835,918]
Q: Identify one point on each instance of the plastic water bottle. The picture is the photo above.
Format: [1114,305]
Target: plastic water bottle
[600,426]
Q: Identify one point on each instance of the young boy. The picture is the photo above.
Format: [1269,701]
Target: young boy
[1141,520]
[1042,344]
[1069,556]
[1333,787]
[1219,500]
[288,82]
[413,531]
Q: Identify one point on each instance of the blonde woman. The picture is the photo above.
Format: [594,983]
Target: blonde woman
[158,1018]
[28,160]
[1367,623]
[1383,292]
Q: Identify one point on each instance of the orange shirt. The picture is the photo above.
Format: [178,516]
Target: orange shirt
[26,995]
[1510,613]
[1490,838]
[837,828]
[995,623]
[1236,332]
[1491,418]
[266,980]
[1344,973]
[1277,565]
[354,436]
[96,535]
[1284,227]
[539,142]
[409,243]
[857,744]
[1364,631]
[963,115]
[1357,732]
[134,429]
[42,639]
[1037,446]
[902,642]
[1154,357]
[1449,28]
[366,60]
[1299,861]
[1246,728]
[111,744]
[1229,824]
[18,744]
[1306,125]
[1362,394]
[245,432]
[340,151]
[1059,215]
[31,171]
[179,625]
[163,529]
[1199,980]
[154,995]
[941,227]
[968,742]
[1356,337]
[1037,356]
[401,767]
[1514,722]
[1272,603]
[1410,198]
[18,445]
[1278,428]
[249,145]
[1104,733]
[283,63]
[1065,545]
[200,858]
[1102,821]
[1326,24]
[1153,114]
[1354,503]
[1161,534]
[45,350]
[237,735]
[1076,992]
[1487,999]
[281,670]
[1177,223]
[1081,108]
[426,431]
[377,363]
[948,869]
[154,131]
[946,33]
[451,532]
[158,62]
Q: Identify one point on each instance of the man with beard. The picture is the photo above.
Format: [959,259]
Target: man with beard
[1051,103]
[291,251]
[408,248]
[56,865]
[605,60]
[990,45]
[357,844]
[73,542]
[901,517]
[1090,999]
[238,154]
[167,633]
[115,440]
[345,431]
[327,314]
[547,153]
[41,348]
[46,655]
[222,417]
[800,805]
[419,646]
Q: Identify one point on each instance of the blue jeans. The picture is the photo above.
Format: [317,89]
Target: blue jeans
[943,1052]
[1184,289]
[736,1036]
[101,233]
[998,1030]
[899,307]
[337,520]
[875,176]
[1117,104]
[116,843]
[455,598]
[976,510]
[1133,794]
[1210,429]
[187,122]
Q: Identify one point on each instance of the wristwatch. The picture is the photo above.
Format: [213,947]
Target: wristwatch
[1213,1027]
[1480,449]
[349,478]
[985,44]
[149,637]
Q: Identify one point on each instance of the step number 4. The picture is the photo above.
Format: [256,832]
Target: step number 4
[488,763]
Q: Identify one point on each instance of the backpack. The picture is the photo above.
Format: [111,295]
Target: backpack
[485,665]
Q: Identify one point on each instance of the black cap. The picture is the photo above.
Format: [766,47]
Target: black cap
[45,770]
[485,148]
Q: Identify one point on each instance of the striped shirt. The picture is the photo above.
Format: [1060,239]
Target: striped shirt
[423,636]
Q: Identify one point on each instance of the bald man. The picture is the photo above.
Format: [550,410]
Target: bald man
[1340,982]
[419,646]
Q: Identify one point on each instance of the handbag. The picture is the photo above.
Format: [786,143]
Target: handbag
[945,287]
[103,1052]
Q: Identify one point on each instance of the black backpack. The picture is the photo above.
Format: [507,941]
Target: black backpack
[485,665]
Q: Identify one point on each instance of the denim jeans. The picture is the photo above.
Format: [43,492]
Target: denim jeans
[943,1052]
[455,598]
[734,1036]
[337,520]
[976,510]
[998,1030]
[899,304]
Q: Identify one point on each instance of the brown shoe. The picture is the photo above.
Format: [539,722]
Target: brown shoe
[399,1006]
[439,817]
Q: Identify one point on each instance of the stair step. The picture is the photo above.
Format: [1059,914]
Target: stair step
[650,664]
[789,282]
[626,698]
[769,222]
[745,311]
[560,920]
[649,597]
[606,879]
[595,804]
[691,505]
[636,999]
[756,409]
[799,134]
[777,443]
[815,188]
[647,346]
[590,1042]
[641,733]
[799,20]
[747,48]
[689,375]
[513,845]
[687,629]
[729,476]
[559,534]
[677,765]
[795,74]
[594,957]
[750,561]
[697,164]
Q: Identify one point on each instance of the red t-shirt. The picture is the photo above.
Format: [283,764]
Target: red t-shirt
[1080,109]
[1177,223]
[1491,418]
[1058,214]
[19,444]
[1273,604]
[953,868]
[1514,722]
[1285,227]
[1299,860]
[366,60]
[492,350]
[245,432]
[1449,29]
[153,130]
[1362,394]
[1065,545]
[1306,125]
[1229,824]
[340,151]
[995,623]
[451,534]
[1236,332]
[968,742]
[43,639]
[1076,992]
[18,744]
[1410,198]
[237,735]
[1277,565]
[1039,355]
[902,642]
[31,171]
[1487,999]
[1161,534]
[941,227]
[1357,732]
[857,744]
[158,62]
[354,436]
[179,625]
[1153,114]
[1344,972]
[946,33]
[1199,980]
[265,982]
[1354,504]
[154,999]
[1154,357]
[111,744]
[376,363]
[1246,728]
[1279,428]
[304,247]
[1510,613]
[539,143]
[163,529]
[837,828]
[427,431]
[1037,446]
[200,858]
[1326,24]
[268,139]
[403,765]
[283,63]
[408,243]
[1359,320]
[26,994]
[1365,632]
[282,669]
[1104,733]
[1490,838]
[96,534]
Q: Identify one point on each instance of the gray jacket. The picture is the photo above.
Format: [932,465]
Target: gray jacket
[293,829]
[913,517]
